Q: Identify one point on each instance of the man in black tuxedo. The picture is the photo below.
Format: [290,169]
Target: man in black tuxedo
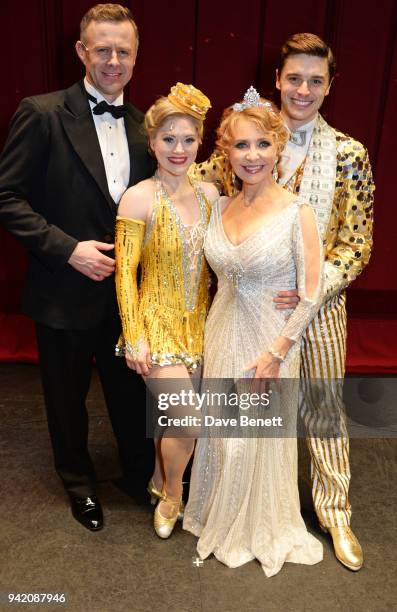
[69,157]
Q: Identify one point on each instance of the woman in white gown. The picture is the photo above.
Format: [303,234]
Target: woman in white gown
[244,500]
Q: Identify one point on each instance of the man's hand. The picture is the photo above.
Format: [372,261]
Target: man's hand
[286,299]
[88,259]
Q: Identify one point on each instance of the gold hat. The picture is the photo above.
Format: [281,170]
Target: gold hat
[189,100]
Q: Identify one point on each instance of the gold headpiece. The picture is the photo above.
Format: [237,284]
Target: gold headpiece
[189,100]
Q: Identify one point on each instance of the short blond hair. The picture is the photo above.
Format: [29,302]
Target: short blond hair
[162,110]
[108,12]
[265,118]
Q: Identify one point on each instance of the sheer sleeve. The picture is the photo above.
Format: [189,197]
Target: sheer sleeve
[309,258]
[128,247]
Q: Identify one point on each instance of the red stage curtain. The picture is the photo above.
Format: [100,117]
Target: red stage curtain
[223,47]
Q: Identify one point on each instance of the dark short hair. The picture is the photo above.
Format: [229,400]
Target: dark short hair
[108,12]
[309,44]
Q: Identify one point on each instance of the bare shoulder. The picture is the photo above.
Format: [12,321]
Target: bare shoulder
[137,201]
[307,217]
[209,190]
[285,197]
[306,210]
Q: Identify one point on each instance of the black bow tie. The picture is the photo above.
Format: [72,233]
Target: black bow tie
[103,107]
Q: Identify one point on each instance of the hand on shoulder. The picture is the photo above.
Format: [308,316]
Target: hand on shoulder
[137,201]
[210,191]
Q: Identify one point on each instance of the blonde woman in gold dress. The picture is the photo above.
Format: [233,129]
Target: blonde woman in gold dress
[161,226]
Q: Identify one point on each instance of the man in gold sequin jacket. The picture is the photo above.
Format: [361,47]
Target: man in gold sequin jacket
[332,172]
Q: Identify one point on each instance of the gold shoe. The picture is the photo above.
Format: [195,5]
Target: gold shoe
[155,495]
[347,548]
[181,511]
[163,525]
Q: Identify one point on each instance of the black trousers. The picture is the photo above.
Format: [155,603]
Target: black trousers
[66,361]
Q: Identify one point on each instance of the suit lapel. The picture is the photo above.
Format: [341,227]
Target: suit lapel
[79,126]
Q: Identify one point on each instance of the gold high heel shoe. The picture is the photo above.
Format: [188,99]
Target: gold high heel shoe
[164,525]
[155,495]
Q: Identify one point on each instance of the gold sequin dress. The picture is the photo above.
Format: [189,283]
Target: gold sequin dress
[169,306]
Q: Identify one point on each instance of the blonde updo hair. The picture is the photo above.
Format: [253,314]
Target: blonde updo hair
[162,110]
[265,118]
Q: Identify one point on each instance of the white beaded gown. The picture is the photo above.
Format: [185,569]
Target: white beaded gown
[244,502]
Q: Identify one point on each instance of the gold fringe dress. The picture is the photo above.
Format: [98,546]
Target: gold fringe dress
[169,306]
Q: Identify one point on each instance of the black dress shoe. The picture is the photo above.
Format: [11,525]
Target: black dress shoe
[88,511]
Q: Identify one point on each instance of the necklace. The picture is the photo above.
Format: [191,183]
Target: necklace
[171,196]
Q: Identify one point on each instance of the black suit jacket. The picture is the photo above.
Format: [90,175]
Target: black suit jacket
[54,193]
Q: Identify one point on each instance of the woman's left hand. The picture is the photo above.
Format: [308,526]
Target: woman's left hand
[267,366]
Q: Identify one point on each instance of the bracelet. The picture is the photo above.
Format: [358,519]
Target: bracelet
[134,350]
[276,355]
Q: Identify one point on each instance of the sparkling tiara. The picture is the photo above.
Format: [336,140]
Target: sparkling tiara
[251,98]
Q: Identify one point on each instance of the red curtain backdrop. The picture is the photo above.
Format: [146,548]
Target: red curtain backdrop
[223,47]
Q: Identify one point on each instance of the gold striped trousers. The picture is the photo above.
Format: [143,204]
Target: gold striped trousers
[322,371]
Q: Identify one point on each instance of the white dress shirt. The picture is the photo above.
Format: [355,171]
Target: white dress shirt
[114,145]
[293,154]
